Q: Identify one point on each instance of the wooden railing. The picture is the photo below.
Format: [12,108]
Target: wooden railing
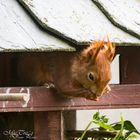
[48,107]
[43,99]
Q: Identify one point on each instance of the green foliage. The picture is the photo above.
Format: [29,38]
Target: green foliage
[124,130]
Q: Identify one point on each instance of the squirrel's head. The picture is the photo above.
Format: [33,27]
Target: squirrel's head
[92,69]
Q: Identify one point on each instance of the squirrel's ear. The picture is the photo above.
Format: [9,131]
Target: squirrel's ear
[97,47]
[90,54]
[110,52]
[86,55]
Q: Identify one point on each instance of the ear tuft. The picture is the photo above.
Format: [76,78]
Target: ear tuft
[86,55]
[97,47]
[110,52]
[90,53]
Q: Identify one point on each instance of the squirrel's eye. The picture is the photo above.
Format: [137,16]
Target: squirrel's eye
[104,47]
[91,76]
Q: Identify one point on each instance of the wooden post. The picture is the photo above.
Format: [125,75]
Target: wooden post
[130,65]
[69,122]
[49,125]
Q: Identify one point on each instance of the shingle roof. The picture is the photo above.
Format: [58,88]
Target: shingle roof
[78,21]
[125,14]
[81,21]
[18,31]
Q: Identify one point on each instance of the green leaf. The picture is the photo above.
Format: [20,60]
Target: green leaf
[125,129]
[117,126]
[130,127]
[127,126]
[96,116]
[130,135]
[104,119]
[134,136]
[104,125]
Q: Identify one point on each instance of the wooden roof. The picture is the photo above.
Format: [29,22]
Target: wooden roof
[64,21]
[18,31]
[82,21]
[123,14]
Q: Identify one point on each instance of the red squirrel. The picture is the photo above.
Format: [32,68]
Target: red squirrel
[86,75]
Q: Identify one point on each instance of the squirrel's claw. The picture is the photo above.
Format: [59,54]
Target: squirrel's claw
[49,85]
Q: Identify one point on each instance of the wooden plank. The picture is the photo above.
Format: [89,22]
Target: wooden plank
[40,123]
[19,32]
[90,134]
[43,99]
[55,125]
[117,13]
[48,125]
[73,20]
[69,122]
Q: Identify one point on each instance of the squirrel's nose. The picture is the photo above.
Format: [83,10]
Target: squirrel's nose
[98,95]
[96,99]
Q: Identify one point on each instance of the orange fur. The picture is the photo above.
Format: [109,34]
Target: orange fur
[95,60]
[85,76]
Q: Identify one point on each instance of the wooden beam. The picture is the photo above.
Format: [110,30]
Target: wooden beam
[49,125]
[91,134]
[43,99]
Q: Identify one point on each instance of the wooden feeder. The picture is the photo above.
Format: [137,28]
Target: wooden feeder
[63,28]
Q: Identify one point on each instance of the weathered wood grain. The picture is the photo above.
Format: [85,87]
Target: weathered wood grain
[123,14]
[42,99]
[18,32]
[78,21]
[49,125]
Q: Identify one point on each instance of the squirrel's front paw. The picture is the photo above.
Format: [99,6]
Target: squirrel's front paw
[49,85]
